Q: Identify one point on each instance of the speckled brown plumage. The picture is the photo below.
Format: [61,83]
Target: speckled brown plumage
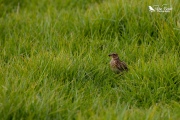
[116,64]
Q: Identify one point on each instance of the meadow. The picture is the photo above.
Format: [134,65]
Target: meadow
[54,60]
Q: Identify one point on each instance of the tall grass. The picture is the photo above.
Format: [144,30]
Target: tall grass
[54,60]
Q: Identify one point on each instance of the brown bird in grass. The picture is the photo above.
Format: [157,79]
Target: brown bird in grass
[116,64]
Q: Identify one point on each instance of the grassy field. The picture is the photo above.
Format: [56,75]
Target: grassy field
[54,60]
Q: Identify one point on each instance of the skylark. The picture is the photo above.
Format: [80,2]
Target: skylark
[116,64]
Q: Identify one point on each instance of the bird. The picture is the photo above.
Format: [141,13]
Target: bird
[116,64]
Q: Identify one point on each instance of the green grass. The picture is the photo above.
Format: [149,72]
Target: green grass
[54,60]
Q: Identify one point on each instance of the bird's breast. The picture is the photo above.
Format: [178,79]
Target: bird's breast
[113,63]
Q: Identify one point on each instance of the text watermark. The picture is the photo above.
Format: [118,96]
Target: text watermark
[158,8]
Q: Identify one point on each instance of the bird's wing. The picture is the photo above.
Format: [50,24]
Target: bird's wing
[122,65]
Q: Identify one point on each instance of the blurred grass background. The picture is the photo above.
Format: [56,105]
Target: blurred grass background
[54,60]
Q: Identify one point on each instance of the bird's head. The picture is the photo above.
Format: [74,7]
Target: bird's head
[113,55]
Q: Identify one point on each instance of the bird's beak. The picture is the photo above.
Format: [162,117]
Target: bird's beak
[110,55]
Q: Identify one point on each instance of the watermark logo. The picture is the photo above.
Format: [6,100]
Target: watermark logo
[158,8]
[151,9]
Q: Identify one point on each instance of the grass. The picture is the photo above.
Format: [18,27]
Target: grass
[54,60]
